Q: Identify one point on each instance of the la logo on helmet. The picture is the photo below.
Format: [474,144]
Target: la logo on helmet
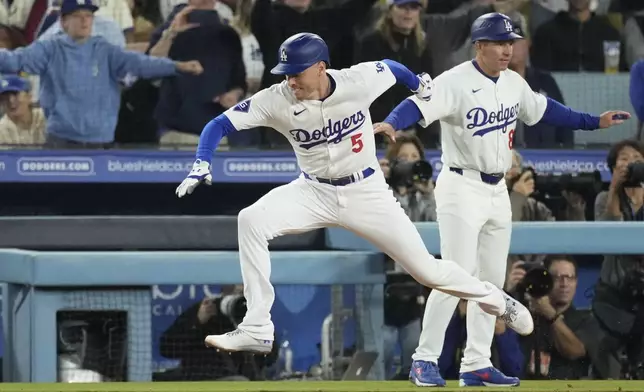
[508,25]
[283,55]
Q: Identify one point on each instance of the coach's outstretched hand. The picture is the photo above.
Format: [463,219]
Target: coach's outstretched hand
[200,173]
[613,117]
[385,128]
[425,86]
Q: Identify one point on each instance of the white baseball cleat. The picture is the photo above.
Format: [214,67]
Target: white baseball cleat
[517,316]
[239,340]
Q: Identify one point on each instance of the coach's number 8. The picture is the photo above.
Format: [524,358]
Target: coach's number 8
[511,137]
[356,142]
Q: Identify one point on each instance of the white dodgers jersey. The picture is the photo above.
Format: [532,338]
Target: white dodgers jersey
[478,116]
[333,137]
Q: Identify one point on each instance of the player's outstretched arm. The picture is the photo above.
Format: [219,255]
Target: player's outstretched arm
[420,85]
[403,116]
[562,116]
[255,111]
[210,138]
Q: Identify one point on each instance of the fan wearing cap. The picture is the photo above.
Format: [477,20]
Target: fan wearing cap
[79,78]
[21,123]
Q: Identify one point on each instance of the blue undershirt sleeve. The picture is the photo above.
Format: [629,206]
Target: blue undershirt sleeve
[211,135]
[403,75]
[404,115]
[636,89]
[562,116]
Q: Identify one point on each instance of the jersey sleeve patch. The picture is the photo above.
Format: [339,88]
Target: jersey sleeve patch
[243,106]
[380,67]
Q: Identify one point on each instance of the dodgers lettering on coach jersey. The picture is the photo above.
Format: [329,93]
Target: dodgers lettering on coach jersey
[478,116]
[331,138]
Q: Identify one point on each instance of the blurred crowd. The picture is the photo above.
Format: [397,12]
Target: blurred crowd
[47,101]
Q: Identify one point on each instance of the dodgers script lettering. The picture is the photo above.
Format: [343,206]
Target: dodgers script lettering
[492,121]
[332,132]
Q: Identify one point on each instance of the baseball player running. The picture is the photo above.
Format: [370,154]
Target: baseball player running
[478,103]
[324,113]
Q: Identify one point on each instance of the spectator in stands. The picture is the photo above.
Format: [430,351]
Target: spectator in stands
[539,135]
[11,38]
[102,26]
[445,6]
[620,290]
[120,12]
[633,32]
[21,124]
[404,307]
[520,181]
[448,35]
[525,208]
[398,35]
[574,41]
[253,60]
[334,24]
[186,104]
[184,340]
[79,78]
[542,11]
[166,7]
[416,199]
[636,92]
[24,15]
[620,202]
[563,331]
[506,349]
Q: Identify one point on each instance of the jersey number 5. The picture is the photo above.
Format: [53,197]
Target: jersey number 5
[356,142]
[511,137]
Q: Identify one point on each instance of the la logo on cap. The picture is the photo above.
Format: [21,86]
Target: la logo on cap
[283,55]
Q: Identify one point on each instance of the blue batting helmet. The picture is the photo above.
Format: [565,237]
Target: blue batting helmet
[299,52]
[493,27]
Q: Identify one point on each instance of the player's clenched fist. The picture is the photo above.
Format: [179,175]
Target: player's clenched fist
[200,173]
[425,86]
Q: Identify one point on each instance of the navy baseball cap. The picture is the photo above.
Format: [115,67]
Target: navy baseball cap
[13,83]
[403,2]
[69,6]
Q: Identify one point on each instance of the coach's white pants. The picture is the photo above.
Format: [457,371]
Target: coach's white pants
[367,208]
[475,224]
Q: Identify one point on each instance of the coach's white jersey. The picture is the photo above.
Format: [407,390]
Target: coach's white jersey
[478,116]
[332,138]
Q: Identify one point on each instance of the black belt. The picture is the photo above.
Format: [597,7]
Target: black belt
[342,181]
[491,179]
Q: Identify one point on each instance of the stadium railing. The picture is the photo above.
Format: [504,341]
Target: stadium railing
[39,284]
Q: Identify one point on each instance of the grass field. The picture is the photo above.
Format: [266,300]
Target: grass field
[338,386]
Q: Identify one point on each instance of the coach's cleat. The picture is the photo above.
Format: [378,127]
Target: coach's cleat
[425,374]
[517,316]
[239,340]
[487,377]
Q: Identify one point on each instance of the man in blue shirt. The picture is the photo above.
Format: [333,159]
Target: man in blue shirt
[637,95]
[79,77]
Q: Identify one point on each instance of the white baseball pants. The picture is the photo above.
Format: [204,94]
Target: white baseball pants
[367,208]
[475,224]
